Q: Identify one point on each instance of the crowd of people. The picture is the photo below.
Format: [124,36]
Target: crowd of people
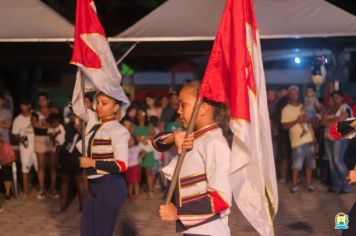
[302,141]
[47,137]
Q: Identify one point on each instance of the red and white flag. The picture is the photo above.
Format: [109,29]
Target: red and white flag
[92,55]
[235,76]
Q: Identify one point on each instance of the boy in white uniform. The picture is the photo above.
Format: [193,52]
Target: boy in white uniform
[23,132]
[202,196]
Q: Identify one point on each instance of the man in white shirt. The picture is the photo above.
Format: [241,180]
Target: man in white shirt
[23,132]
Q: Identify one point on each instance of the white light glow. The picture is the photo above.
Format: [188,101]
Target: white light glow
[297,60]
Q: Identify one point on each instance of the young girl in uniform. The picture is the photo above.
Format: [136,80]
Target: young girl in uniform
[104,163]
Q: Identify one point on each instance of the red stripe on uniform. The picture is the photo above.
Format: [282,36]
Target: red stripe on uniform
[189,182]
[121,165]
[219,203]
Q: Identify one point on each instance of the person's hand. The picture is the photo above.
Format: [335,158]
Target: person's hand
[353,124]
[86,162]
[168,212]
[182,142]
[352,176]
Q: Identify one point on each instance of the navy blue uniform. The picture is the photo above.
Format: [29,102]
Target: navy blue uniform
[108,145]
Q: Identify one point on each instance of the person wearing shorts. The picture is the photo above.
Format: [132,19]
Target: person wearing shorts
[303,155]
[43,145]
[7,157]
[23,132]
[301,140]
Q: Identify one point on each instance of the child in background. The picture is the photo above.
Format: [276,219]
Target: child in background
[157,168]
[56,134]
[143,132]
[7,156]
[311,109]
[175,124]
[56,131]
[133,174]
[311,104]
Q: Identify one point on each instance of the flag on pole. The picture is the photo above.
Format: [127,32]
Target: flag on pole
[92,55]
[235,76]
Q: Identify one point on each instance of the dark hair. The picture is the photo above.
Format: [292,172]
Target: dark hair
[173,93]
[104,94]
[138,111]
[135,139]
[130,108]
[282,88]
[25,101]
[153,120]
[89,97]
[42,94]
[336,92]
[54,117]
[150,95]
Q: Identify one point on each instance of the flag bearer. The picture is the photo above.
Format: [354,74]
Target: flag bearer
[105,163]
[202,196]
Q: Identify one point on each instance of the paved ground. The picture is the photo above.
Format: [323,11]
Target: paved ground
[299,214]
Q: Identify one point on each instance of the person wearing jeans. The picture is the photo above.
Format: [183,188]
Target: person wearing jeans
[335,151]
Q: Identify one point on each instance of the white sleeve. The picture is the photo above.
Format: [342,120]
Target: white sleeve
[61,136]
[168,170]
[15,127]
[217,162]
[120,143]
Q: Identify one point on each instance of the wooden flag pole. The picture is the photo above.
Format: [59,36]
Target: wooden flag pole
[181,156]
[84,151]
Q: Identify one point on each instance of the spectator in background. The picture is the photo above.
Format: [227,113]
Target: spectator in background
[335,149]
[43,144]
[22,132]
[282,93]
[69,163]
[283,142]
[7,156]
[272,104]
[302,145]
[175,124]
[271,101]
[5,120]
[330,88]
[152,108]
[311,104]
[143,132]
[130,118]
[56,133]
[325,124]
[133,174]
[312,108]
[169,111]
[67,111]
[164,102]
